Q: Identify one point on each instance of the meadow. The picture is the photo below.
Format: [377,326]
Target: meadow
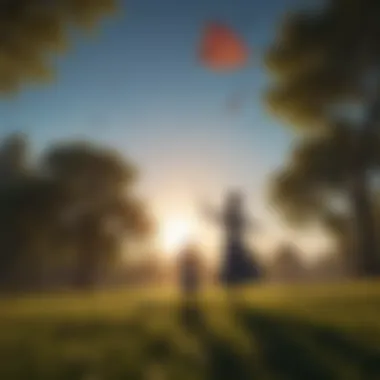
[306,332]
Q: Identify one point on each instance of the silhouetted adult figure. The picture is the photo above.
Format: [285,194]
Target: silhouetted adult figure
[238,265]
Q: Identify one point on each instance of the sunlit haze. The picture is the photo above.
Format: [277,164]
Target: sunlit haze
[138,87]
[175,233]
[189,190]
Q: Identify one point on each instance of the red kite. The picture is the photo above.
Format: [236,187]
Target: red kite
[222,49]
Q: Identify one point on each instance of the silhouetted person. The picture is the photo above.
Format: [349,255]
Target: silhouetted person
[189,270]
[238,265]
[190,276]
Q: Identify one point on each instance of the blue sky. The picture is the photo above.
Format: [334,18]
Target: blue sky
[137,86]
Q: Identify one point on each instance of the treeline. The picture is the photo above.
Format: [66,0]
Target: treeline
[324,65]
[289,265]
[65,214]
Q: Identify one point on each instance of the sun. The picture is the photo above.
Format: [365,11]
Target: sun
[175,232]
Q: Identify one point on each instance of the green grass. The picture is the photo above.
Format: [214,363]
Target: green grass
[265,332]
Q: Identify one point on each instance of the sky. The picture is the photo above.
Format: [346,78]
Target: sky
[137,86]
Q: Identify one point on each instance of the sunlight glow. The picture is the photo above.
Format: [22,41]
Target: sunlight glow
[175,233]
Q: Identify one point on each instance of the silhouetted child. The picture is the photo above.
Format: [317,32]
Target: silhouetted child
[190,276]
[189,270]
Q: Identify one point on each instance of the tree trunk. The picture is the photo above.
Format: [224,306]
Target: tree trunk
[85,276]
[366,255]
[365,261]
[87,260]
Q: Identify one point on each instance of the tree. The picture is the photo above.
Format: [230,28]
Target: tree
[32,30]
[287,264]
[28,233]
[76,204]
[313,186]
[14,157]
[98,207]
[330,267]
[325,64]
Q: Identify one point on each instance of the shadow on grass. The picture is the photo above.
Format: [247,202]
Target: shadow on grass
[282,348]
[223,360]
[286,348]
[295,349]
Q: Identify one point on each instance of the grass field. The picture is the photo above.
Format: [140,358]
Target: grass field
[267,332]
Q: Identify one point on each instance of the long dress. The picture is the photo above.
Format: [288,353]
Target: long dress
[238,265]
